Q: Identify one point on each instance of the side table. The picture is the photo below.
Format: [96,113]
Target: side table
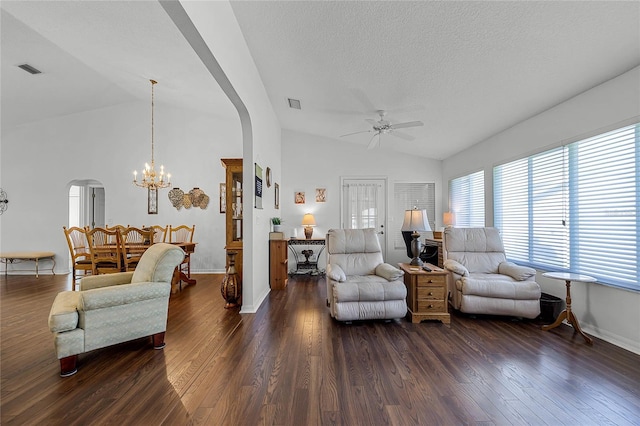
[568,313]
[426,293]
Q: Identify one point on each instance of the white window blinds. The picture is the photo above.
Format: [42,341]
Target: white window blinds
[407,195]
[466,198]
[574,208]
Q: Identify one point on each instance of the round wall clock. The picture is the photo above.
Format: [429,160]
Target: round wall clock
[268,177]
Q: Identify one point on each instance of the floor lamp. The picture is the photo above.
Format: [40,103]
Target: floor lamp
[416,221]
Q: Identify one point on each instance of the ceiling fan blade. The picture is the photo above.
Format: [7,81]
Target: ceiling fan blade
[373,142]
[402,136]
[407,124]
[355,133]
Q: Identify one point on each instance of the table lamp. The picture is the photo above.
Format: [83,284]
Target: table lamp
[448,219]
[416,221]
[308,221]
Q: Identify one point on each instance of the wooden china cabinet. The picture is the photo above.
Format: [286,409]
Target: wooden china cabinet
[234,209]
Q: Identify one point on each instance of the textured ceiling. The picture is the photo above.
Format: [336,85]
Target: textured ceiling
[466,69]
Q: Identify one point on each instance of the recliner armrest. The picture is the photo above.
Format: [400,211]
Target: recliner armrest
[389,272]
[517,272]
[335,273]
[456,267]
[106,280]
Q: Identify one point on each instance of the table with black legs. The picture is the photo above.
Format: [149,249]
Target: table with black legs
[568,314]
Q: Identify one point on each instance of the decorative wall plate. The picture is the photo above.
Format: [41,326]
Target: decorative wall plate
[268,173]
[4,202]
[176,196]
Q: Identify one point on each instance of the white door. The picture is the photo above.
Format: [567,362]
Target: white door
[363,205]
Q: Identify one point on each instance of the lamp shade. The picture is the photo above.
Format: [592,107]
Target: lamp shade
[308,220]
[448,218]
[416,220]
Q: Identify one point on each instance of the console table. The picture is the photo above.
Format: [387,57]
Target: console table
[306,264]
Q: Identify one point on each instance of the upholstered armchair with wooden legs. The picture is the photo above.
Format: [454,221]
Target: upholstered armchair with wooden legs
[115,308]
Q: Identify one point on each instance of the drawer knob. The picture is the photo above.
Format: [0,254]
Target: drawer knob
[430,293]
[430,306]
[430,281]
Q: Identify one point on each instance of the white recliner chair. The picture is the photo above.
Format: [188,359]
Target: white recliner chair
[360,286]
[481,279]
[115,308]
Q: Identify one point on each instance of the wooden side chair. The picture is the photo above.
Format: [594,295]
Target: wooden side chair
[183,234]
[135,242]
[159,233]
[106,250]
[79,250]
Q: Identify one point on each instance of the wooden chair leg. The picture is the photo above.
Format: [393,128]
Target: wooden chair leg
[68,366]
[158,341]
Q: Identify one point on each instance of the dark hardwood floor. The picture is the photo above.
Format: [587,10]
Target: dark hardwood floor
[291,364]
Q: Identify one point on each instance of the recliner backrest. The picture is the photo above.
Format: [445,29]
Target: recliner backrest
[480,250]
[356,251]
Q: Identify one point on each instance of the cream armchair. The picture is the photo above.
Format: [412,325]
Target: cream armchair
[482,281]
[360,285]
[115,308]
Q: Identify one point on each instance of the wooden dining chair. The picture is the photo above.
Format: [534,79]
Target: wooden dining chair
[134,242]
[159,233]
[183,234]
[106,250]
[79,250]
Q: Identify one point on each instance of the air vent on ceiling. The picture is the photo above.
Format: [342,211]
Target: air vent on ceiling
[294,103]
[28,68]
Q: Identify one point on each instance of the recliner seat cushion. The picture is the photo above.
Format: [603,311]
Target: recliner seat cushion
[498,286]
[368,288]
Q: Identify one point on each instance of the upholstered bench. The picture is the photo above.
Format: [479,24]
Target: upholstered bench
[12,257]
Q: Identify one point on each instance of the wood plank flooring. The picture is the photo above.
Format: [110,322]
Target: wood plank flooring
[291,364]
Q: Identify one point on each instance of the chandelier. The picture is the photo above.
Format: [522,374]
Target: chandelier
[150,178]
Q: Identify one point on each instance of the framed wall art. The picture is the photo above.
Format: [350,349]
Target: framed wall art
[321,195]
[223,198]
[299,197]
[277,197]
[152,201]
[258,186]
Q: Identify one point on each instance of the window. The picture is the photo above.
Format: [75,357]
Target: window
[407,196]
[466,199]
[574,208]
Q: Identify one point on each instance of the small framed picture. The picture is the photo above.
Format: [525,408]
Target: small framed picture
[321,195]
[299,197]
[223,198]
[277,198]
[152,199]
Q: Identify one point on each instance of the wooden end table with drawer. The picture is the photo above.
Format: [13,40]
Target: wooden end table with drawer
[426,293]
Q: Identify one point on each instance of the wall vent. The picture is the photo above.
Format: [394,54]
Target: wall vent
[294,103]
[28,68]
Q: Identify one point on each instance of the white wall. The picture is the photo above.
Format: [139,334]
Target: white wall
[219,29]
[311,162]
[603,311]
[39,161]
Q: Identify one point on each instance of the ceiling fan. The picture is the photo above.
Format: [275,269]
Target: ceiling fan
[383,126]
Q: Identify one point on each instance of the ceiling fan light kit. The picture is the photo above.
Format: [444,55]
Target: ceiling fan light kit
[383,126]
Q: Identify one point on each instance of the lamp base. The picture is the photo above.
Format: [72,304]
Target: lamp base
[415,249]
[308,232]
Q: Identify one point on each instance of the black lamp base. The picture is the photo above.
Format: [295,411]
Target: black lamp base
[415,249]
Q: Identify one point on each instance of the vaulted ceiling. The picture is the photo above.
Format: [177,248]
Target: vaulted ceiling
[466,69]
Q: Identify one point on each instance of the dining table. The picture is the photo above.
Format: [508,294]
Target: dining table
[179,276]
